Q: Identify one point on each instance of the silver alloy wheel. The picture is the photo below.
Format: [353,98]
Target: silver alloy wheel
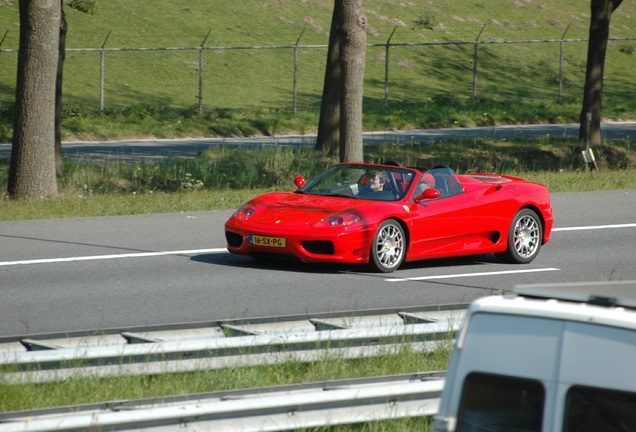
[527,236]
[389,246]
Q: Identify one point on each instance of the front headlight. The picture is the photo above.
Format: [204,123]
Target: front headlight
[344,219]
[245,211]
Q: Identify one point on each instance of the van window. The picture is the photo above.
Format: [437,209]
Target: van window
[596,409]
[500,403]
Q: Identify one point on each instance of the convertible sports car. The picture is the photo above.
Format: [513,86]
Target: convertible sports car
[383,215]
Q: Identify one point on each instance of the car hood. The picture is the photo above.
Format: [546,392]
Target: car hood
[293,209]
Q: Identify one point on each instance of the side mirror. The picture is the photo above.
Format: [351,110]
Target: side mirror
[299,181]
[428,194]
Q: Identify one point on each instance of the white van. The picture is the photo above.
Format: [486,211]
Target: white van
[546,358]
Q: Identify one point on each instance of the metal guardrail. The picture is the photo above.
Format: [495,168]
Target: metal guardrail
[197,346]
[261,409]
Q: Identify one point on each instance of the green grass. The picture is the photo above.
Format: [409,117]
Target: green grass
[82,391]
[147,121]
[78,205]
[224,178]
[154,93]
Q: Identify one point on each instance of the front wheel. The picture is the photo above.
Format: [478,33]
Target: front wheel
[389,247]
[524,238]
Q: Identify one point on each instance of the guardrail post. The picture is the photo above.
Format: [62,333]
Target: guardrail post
[386,68]
[200,96]
[102,72]
[295,84]
[562,45]
[475,62]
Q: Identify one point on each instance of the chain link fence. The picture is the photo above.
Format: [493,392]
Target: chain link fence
[290,77]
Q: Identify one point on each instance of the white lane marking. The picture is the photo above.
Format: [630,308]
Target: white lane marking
[582,228]
[452,276]
[105,257]
[221,250]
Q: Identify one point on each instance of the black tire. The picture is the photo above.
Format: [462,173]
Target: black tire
[388,248]
[524,238]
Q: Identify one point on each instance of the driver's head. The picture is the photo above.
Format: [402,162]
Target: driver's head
[379,180]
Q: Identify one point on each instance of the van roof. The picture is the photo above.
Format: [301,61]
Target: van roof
[602,303]
[615,293]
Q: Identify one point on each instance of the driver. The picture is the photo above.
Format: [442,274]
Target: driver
[376,184]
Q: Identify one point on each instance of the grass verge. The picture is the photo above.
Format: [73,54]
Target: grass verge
[224,178]
[446,110]
[77,205]
[82,391]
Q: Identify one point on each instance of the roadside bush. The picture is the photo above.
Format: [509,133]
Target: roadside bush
[86,6]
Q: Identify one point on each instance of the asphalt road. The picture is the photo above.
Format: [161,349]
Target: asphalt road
[90,273]
[157,149]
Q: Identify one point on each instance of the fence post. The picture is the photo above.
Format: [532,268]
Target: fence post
[295,84]
[386,68]
[475,60]
[102,71]
[200,97]
[1,42]
[562,44]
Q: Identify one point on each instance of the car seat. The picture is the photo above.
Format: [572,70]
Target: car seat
[441,184]
[454,186]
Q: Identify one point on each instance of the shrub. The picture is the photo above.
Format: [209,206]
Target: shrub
[427,20]
[86,6]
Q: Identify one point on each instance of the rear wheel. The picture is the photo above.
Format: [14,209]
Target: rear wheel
[524,238]
[389,247]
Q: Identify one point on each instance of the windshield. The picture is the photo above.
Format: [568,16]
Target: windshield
[362,181]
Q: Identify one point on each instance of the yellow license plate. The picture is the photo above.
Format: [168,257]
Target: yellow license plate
[268,241]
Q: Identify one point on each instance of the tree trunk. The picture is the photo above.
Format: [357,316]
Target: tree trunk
[352,61]
[32,168]
[59,163]
[329,123]
[593,90]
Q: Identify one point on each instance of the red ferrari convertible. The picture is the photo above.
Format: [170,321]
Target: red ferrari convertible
[383,215]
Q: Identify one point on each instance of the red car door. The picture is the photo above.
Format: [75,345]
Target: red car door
[441,227]
[468,222]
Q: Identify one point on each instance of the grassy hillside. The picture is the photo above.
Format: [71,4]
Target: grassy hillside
[160,23]
[262,79]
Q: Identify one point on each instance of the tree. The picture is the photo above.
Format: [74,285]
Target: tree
[32,166]
[59,164]
[328,137]
[84,6]
[590,128]
[353,44]
[341,107]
